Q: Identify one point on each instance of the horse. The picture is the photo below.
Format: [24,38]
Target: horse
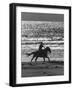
[42,53]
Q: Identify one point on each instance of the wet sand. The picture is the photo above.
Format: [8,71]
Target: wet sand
[33,69]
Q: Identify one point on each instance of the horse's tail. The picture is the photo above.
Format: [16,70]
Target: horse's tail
[28,54]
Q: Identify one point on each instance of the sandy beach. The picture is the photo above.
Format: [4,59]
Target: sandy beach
[33,69]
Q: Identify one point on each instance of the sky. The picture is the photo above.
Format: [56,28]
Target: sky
[41,17]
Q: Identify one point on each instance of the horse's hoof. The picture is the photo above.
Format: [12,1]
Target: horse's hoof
[56,67]
[43,62]
[30,63]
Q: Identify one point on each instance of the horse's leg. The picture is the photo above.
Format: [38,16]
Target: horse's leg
[44,59]
[32,58]
[48,59]
[36,59]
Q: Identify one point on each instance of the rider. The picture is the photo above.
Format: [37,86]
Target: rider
[40,46]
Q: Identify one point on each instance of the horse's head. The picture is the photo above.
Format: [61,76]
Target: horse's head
[48,49]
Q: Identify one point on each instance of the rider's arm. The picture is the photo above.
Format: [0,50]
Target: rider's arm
[43,46]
